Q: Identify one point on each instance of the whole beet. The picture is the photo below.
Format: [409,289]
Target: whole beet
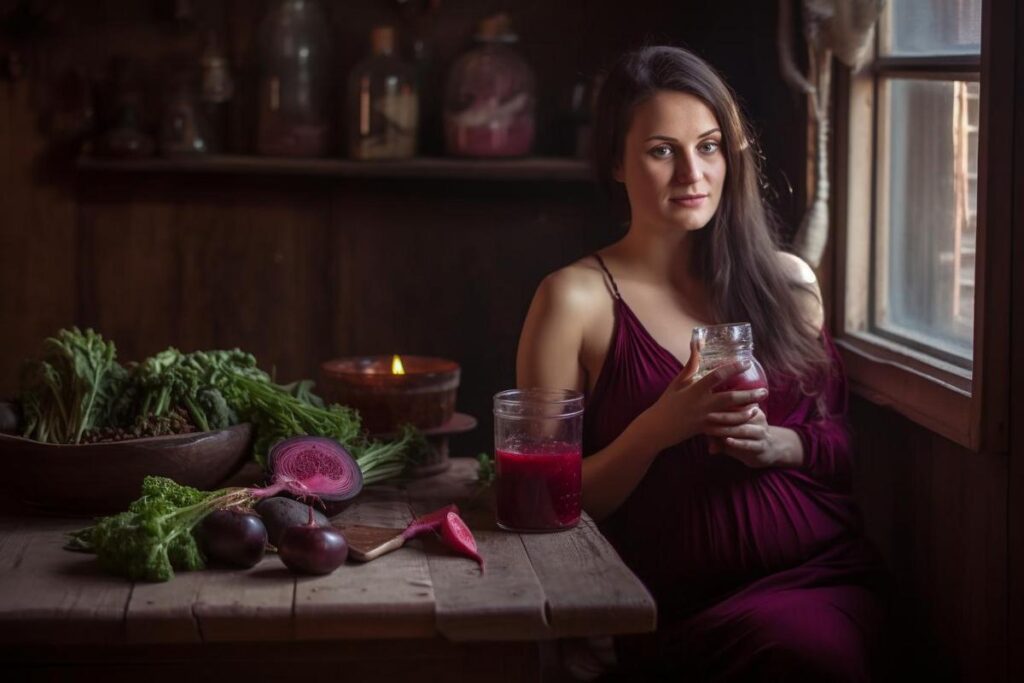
[233,537]
[279,513]
[312,549]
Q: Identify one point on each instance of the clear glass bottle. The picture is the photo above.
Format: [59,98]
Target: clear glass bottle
[731,342]
[490,97]
[538,436]
[383,104]
[294,113]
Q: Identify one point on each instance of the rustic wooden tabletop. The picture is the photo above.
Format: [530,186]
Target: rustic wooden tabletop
[535,587]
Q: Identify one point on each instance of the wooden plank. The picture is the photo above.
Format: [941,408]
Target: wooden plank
[589,590]
[48,594]
[506,601]
[390,597]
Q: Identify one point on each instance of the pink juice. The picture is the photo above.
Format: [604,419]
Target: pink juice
[751,378]
[539,489]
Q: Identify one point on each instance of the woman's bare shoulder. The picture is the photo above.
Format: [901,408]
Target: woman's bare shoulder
[578,289]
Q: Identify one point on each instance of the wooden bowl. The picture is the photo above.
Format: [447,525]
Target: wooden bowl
[101,478]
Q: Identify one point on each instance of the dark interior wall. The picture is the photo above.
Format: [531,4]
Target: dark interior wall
[301,269]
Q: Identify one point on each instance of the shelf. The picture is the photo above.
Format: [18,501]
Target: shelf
[528,168]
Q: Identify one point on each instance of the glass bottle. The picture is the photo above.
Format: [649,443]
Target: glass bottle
[217,89]
[728,343]
[183,127]
[490,97]
[538,435]
[293,116]
[383,105]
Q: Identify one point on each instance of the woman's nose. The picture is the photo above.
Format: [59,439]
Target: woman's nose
[687,169]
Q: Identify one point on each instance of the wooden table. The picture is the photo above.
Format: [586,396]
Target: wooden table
[420,610]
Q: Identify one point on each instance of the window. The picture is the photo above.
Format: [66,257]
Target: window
[911,176]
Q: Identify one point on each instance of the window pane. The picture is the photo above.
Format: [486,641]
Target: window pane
[924,282]
[932,27]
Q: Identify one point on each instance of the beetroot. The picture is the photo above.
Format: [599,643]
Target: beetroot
[459,538]
[232,536]
[312,549]
[279,513]
[313,466]
[431,521]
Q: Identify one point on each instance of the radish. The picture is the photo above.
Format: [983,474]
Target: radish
[459,538]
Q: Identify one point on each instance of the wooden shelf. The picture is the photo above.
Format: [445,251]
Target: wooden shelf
[528,168]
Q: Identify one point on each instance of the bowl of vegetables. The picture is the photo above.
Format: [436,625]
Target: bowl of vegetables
[104,477]
[86,430]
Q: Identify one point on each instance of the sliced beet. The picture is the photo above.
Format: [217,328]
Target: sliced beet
[431,521]
[314,466]
[459,538]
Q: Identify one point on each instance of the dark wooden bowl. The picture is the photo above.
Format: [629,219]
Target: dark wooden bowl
[101,478]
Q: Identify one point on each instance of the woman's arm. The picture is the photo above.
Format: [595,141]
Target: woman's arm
[549,357]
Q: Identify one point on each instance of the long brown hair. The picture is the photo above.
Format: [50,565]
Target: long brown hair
[735,254]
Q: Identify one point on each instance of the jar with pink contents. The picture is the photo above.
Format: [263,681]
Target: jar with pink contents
[538,435]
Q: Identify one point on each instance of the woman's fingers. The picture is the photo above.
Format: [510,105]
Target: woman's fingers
[730,400]
[722,373]
[690,369]
[750,446]
[732,417]
[743,431]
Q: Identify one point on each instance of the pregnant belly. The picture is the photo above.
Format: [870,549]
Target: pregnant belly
[700,530]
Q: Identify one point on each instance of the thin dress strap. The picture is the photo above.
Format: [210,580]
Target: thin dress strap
[611,280]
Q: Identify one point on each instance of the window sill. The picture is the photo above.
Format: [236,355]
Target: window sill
[933,394]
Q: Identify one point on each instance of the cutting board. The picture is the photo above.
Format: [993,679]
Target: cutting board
[366,543]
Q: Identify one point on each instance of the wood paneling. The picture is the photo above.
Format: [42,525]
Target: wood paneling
[938,514]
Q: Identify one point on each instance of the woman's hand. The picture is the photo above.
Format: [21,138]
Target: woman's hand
[757,444]
[690,407]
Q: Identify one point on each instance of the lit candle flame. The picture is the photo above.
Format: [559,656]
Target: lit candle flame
[396,365]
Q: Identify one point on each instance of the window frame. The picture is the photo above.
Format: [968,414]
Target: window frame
[966,406]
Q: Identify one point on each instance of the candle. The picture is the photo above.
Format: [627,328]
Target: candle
[389,391]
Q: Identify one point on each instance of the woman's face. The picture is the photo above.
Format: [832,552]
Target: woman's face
[673,164]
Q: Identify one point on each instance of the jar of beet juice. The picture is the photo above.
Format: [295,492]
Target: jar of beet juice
[538,435]
[728,343]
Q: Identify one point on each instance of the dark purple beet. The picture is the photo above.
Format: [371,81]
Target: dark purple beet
[312,549]
[233,537]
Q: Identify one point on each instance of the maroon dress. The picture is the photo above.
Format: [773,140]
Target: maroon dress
[758,574]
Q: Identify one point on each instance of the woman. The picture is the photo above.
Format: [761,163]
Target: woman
[738,519]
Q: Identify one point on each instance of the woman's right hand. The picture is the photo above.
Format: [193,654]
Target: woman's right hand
[690,407]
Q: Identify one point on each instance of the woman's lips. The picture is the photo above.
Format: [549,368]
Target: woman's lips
[690,201]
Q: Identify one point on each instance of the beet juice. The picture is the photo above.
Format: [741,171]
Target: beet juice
[538,451]
[729,343]
[539,489]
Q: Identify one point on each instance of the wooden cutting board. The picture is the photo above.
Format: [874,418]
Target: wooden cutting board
[366,543]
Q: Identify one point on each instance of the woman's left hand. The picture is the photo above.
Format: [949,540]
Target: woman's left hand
[751,443]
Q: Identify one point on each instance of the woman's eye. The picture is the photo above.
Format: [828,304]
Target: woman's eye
[661,151]
[709,146]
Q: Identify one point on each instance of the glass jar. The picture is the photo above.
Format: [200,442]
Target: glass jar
[294,113]
[383,106]
[490,97]
[538,437]
[728,343]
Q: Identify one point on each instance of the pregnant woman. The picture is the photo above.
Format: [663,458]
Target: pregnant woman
[732,506]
